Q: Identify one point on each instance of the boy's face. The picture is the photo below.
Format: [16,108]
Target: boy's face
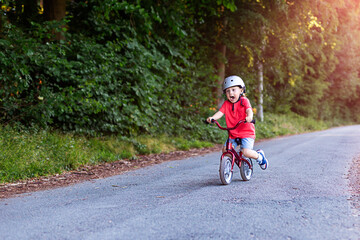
[233,93]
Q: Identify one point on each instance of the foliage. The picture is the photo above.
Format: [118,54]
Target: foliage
[134,67]
[342,96]
[21,86]
[138,77]
[107,77]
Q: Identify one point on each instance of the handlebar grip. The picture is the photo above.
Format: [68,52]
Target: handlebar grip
[252,121]
[212,121]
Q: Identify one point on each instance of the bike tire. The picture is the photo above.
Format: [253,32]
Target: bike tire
[245,170]
[225,170]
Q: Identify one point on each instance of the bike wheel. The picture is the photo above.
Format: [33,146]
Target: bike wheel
[246,170]
[225,170]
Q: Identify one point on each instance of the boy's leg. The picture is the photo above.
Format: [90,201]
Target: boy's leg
[249,153]
[232,141]
[247,144]
[264,163]
[259,155]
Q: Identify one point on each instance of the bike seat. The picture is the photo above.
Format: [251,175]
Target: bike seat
[238,141]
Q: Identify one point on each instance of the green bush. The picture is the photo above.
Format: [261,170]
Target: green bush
[106,77]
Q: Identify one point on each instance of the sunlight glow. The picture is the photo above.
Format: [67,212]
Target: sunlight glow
[314,22]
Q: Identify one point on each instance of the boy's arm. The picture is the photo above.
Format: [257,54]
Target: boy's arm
[216,116]
[249,115]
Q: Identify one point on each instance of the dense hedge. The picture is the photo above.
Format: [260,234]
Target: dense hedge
[94,82]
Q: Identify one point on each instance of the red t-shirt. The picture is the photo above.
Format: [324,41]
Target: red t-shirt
[234,112]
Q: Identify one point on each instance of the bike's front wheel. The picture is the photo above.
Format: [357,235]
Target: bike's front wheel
[225,170]
[246,170]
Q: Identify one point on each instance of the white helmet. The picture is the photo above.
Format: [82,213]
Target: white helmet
[232,81]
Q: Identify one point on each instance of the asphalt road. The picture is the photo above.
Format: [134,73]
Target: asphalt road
[304,194]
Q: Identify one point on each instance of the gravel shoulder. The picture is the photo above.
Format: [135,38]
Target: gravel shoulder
[354,182]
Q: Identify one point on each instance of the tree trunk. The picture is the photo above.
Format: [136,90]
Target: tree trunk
[221,48]
[221,74]
[30,9]
[55,10]
[260,113]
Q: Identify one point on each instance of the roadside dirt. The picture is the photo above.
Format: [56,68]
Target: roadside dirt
[354,182]
[88,173]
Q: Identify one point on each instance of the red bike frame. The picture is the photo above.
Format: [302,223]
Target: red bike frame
[229,148]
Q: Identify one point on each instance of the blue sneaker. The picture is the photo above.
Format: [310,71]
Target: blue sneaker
[264,163]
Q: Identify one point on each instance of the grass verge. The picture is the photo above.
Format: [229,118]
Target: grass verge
[29,154]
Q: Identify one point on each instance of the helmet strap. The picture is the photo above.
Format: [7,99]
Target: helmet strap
[237,101]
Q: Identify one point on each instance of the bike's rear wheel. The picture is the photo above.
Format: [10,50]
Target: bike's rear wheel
[246,170]
[225,170]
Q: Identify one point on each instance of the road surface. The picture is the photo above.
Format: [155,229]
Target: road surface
[304,194]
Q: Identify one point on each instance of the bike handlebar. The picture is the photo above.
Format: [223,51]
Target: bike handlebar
[223,128]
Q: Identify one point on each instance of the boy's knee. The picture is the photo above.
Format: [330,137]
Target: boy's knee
[250,153]
[246,151]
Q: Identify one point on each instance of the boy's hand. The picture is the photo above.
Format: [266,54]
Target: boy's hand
[248,119]
[216,116]
[249,115]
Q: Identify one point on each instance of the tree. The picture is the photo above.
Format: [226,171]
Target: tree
[21,12]
[133,66]
[55,10]
[211,22]
[342,96]
[318,58]
[252,48]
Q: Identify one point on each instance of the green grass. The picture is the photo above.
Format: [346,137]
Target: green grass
[29,154]
[280,125]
